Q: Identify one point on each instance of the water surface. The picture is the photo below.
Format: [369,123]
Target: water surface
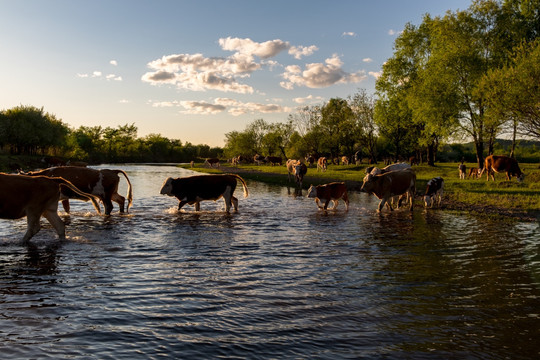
[278,279]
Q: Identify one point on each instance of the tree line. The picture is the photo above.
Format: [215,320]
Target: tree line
[472,74]
[32,131]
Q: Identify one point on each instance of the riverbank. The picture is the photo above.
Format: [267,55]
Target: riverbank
[501,199]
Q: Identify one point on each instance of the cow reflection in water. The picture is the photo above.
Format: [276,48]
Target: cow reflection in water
[194,189]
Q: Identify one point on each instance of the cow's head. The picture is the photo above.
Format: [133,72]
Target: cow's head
[312,192]
[369,183]
[166,188]
[521,177]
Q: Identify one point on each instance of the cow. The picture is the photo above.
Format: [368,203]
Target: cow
[211,162]
[497,164]
[434,190]
[310,160]
[273,160]
[100,182]
[414,161]
[462,171]
[390,184]
[321,164]
[297,169]
[474,172]
[332,191]
[194,189]
[258,159]
[358,157]
[345,160]
[391,167]
[33,197]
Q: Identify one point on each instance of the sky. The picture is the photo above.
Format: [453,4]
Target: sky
[195,70]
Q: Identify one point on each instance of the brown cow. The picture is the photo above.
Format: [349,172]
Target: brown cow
[274,160]
[497,164]
[211,162]
[321,164]
[33,197]
[474,173]
[345,160]
[390,184]
[194,189]
[102,183]
[332,191]
[258,159]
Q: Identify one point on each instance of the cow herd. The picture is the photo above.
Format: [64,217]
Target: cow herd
[36,194]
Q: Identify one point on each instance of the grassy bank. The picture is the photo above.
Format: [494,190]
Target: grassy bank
[493,198]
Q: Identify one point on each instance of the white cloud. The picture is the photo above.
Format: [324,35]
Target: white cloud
[113,62]
[393,32]
[299,51]
[249,47]
[124,101]
[201,107]
[308,99]
[367,60]
[375,74]
[113,77]
[97,74]
[319,75]
[82,75]
[349,33]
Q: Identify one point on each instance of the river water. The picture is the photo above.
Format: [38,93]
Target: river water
[278,279]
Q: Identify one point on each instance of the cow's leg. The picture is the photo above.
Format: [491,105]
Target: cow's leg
[235,203]
[53,218]
[33,226]
[120,200]
[107,203]
[382,203]
[335,204]
[326,204]
[182,203]
[198,206]
[65,205]
[346,199]
[410,195]
[318,203]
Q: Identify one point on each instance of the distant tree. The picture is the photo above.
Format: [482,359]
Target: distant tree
[363,108]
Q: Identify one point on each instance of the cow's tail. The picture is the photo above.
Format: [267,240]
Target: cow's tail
[246,192]
[129,191]
[93,198]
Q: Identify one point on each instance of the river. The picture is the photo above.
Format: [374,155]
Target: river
[278,279]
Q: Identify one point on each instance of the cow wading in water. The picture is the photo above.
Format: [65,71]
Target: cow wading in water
[194,189]
[390,184]
[499,164]
[103,183]
[329,192]
[34,197]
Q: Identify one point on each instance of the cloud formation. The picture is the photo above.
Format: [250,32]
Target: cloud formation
[232,106]
[349,33]
[197,72]
[319,75]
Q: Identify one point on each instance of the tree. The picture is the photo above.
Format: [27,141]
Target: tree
[337,122]
[363,108]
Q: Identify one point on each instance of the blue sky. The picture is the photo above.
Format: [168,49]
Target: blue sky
[194,70]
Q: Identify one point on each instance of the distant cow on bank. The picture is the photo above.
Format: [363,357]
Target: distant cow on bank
[194,189]
[274,160]
[321,164]
[258,159]
[390,184]
[211,162]
[391,167]
[329,192]
[100,182]
[474,173]
[33,197]
[498,164]
[462,171]
[345,160]
[310,160]
[434,191]
[296,169]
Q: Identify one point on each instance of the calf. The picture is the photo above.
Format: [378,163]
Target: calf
[474,173]
[345,160]
[434,190]
[194,189]
[497,164]
[258,159]
[390,184]
[33,197]
[462,171]
[333,191]
[100,182]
